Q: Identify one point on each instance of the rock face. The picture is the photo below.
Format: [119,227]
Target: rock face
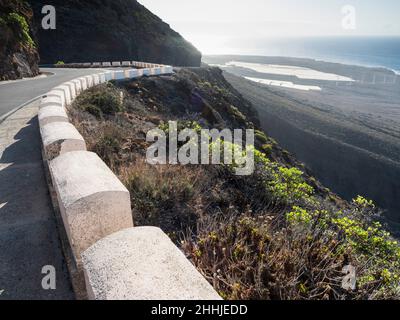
[18,54]
[110,30]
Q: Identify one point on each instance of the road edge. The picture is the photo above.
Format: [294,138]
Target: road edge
[8,114]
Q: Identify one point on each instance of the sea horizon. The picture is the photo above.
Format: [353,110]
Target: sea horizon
[365,51]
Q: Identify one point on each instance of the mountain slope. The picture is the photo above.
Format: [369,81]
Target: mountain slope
[104,30]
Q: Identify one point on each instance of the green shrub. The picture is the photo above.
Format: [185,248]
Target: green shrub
[374,251]
[182,125]
[162,196]
[108,144]
[288,186]
[261,136]
[236,113]
[267,148]
[21,27]
[104,100]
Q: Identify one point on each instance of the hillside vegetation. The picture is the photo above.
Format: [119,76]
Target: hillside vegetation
[276,234]
[18,53]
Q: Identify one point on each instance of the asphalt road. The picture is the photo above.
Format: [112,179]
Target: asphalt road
[14,94]
[29,238]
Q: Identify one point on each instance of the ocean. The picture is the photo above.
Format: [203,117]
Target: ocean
[364,51]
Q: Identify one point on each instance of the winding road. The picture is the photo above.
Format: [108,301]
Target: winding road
[16,93]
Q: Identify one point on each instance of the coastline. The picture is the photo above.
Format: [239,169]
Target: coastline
[295,61]
[347,134]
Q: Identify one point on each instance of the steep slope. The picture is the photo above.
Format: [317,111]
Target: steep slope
[275,234]
[18,54]
[104,30]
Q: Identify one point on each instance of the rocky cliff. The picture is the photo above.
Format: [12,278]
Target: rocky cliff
[18,54]
[104,30]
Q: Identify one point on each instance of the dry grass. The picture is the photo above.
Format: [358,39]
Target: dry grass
[165,196]
[247,257]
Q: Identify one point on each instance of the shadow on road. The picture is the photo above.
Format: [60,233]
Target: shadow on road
[28,233]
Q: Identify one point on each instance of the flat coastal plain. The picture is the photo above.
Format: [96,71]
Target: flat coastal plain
[347,132]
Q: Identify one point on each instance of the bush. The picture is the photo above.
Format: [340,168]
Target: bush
[250,256]
[163,196]
[100,101]
[21,27]
[236,113]
[261,137]
[108,144]
[288,186]
[247,257]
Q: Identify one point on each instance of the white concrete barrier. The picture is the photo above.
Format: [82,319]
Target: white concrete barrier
[126,63]
[142,263]
[96,64]
[72,89]
[78,86]
[102,77]
[119,75]
[140,72]
[106,64]
[95,207]
[89,81]
[52,113]
[109,76]
[65,90]
[59,138]
[169,69]
[96,79]
[51,100]
[87,64]
[116,63]
[58,94]
[92,201]
[133,73]
[84,85]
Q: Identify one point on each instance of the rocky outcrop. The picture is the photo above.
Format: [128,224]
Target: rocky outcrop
[18,54]
[110,30]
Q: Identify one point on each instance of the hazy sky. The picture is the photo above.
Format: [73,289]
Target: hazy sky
[212,25]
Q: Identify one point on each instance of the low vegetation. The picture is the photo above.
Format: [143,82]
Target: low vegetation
[101,103]
[20,27]
[276,234]
[18,51]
